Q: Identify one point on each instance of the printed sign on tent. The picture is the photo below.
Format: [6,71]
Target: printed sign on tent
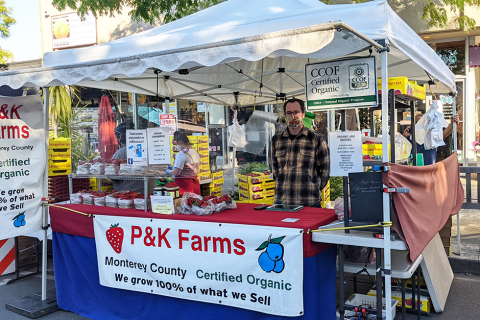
[251,267]
[22,165]
[341,84]
[168,120]
[137,153]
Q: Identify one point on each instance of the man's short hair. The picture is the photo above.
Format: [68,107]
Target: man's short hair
[121,130]
[292,100]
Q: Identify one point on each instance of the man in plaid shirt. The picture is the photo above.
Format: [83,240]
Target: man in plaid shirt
[301,160]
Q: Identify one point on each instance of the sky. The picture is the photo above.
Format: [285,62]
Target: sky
[24,40]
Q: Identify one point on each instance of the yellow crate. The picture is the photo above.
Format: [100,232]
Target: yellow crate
[105,188]
[242,201]
[205,157]
[204,161]
[203,148]
[55,172]
[243,186]
[260,201]
[202,139]
[203,176]
[192,139]
[216,175]
[204,152]
[251,180]
[204,166]
[269,183]
[244,196]
[59,154]
[212,192]
[269,200]
[365,149]
[256,195]
[204,169]
[64,164]
[371,149]
[269,192]
[216,184]
[425,302]
[59,143]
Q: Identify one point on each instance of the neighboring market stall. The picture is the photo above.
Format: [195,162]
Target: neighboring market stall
[238,46]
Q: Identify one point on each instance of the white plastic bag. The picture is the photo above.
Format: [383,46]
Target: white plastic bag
[400,144]
[429,129]
[340,210]
[237,134]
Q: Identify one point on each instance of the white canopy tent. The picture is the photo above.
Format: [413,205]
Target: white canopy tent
[235,46]
[246,46]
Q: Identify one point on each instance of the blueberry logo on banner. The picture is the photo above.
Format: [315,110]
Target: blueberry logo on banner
[19,220]
[272,258]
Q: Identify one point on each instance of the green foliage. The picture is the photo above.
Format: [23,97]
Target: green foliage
[336,188]
[148,11]
[436,13]
[6,21]
[60,106]
[255,167]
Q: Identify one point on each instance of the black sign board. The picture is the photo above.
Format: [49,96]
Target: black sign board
[366,195]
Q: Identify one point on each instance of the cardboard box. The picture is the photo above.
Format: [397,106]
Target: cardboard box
[212,191]
[244,195]
[268,192]
[216,184]
[203,176]
[251,180]
[269,183]
[59,143]
[59,154]
[425,302]
[269,200]
[204,161]
[202,139]
[204,152]
[448,224]
[446,241]
[204,169]
[216,175]
[192,139]
[243,186]
[445,232]
[203,148]
[205,157]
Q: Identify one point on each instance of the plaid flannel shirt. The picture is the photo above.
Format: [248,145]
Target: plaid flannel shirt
[301,167]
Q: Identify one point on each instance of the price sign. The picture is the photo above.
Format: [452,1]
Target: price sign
[158,145]
[162,204]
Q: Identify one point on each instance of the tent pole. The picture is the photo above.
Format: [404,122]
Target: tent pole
[454,112]
[386,196]
[45,195]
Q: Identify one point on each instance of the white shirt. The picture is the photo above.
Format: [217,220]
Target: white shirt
[188,161]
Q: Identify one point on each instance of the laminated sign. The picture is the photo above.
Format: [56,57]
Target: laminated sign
[251,267]
[341,84]
[22,165]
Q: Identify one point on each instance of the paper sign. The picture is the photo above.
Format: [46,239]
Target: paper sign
[162,204]
[168,121]
[345,153]
[290,220]
[158,145]
[137,153]
[341,84]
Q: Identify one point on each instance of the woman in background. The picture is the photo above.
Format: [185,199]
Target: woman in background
[185,167]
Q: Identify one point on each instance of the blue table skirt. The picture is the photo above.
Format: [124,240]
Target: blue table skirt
[79,290]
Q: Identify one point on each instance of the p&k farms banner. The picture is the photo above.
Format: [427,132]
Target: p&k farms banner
[22,165]
[250,267]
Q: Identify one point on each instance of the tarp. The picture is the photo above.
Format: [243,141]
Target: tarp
[107,142]
[235,46]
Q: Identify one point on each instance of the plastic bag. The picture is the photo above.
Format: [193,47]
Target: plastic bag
[99,201]
[125,169]
[139,204]
[97,169]
[185,206]
[203,210]
[137,170]
[76,198]
[111,169]
[237,134]
[403,147]
[339,208]
[84,168]
[125,204]
[111,201]
[429,129]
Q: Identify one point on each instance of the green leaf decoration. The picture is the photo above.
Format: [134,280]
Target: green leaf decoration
[277,240]
[262,246]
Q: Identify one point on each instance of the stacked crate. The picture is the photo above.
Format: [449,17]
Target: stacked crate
[59,157]
[214,188]
[256,189]
[59,167]
[200,143]
[325,195]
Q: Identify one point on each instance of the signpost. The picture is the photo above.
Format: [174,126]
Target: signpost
[341,84]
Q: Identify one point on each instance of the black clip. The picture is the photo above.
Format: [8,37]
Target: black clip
[46,227]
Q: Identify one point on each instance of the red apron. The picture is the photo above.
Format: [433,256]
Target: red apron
[188,185]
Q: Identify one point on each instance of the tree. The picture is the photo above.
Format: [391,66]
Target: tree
[6,21]
[435,12]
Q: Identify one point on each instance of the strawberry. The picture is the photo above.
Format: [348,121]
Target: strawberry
[204,204]
[115,237]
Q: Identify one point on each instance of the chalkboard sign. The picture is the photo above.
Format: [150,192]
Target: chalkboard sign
[366,196]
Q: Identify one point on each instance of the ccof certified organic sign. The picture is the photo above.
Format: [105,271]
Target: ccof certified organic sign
[341,84]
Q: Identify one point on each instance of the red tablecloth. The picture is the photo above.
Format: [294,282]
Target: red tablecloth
[73,223]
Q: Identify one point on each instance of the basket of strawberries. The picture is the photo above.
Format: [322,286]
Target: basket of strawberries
[139,201]
[192,203]
[125,199]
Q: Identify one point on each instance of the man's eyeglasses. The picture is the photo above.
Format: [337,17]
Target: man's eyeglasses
[293,113]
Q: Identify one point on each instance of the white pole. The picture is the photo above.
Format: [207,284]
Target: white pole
[268,137]
[386,197]
[45,195]
[454,111]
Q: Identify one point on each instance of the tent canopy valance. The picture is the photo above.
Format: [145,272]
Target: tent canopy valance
[258,49]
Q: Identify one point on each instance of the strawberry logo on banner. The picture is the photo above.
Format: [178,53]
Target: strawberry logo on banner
[22,165]
[115,237]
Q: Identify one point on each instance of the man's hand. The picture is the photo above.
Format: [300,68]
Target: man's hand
[407,133]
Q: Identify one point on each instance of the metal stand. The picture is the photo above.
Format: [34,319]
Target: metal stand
[17,264]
